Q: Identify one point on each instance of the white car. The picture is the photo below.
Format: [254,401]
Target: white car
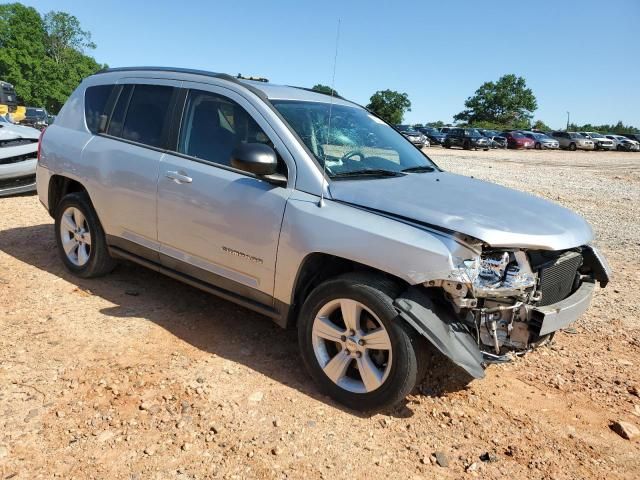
[18,158]
[600,141]
[623,143]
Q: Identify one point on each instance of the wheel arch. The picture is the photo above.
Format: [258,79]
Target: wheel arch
[318,267]
[59,186]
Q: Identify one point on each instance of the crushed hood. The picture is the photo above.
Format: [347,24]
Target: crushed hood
[499,216]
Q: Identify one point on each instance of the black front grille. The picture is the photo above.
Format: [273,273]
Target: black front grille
[557,274]
[18,158]
[17,182]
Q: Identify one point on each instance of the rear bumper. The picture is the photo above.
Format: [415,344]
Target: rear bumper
[561,314]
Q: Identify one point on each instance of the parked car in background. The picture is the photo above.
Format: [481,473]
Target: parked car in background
[496,138]
[419,139]
[573,141]
[542,140]
[467,138]
[518,140]
[633,136]
[360,242]
[600,142]
[435,136]
[36,117]
[624,144]
[18,152]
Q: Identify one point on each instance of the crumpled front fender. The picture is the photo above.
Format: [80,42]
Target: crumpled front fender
[441,327]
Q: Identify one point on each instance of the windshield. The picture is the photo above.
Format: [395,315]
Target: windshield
[3,120]
[595,135]
[472,133]
[357,142]
[575,135]
[517,135]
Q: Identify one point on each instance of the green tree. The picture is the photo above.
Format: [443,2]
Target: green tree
[436,124]
[618,128]
[64,35]
[507,103]
[390,105]
[43,57]
[318,87]
[540,125]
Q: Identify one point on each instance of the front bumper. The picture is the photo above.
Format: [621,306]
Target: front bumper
[561,314]
[18,177]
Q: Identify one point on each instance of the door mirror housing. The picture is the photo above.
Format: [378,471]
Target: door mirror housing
[256,158]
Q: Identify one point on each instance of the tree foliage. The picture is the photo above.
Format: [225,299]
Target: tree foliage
[507,103]
[318,87]
[618,128]
[540,125]
[43,57]
[390,105]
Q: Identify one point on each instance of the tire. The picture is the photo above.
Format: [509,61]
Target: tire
[83,260]
[572,147]
[446,144]
[538,146]
[466,145]
[397,368]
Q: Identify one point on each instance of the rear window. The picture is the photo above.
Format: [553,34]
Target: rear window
[147,114]
[95,101]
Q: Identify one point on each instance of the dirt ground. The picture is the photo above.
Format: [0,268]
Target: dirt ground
[137,376]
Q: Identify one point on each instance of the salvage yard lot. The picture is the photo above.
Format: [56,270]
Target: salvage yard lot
[137,376]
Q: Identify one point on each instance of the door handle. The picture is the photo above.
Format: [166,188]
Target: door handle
[178,177]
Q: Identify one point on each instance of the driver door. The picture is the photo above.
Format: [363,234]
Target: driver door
[216,223]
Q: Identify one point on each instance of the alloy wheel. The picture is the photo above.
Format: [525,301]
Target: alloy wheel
[75,236]
[351,345]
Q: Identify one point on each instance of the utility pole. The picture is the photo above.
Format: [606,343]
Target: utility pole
[568,116]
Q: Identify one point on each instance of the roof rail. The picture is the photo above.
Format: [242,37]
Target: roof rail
[192,71]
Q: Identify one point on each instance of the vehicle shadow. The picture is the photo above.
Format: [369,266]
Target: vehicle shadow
[204,321]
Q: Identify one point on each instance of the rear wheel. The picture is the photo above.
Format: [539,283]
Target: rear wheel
[80,238]
[538,146]
[354,345]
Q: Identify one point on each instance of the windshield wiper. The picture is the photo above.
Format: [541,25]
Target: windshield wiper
[367,172]
[421,168]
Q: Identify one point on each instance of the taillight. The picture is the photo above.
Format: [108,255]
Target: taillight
[40,142]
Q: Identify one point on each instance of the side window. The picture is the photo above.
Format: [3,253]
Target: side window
[212,125]
[95,102]
[147,114]
[117,118]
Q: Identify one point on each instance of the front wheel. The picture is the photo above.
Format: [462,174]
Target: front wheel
[572,147]
[354,345]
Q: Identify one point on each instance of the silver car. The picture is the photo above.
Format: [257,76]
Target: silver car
[18,151]
[542,141]
[314,212]
[573,141]
[623,143]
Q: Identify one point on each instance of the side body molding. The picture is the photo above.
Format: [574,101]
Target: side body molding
[441,328]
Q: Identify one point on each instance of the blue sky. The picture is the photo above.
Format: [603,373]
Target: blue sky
[581,56]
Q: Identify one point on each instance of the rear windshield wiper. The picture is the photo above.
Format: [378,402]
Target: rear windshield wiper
[367,172]
[421,168]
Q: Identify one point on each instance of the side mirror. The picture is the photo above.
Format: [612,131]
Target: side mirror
[256,158]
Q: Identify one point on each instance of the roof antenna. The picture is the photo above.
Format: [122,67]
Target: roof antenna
[333,83]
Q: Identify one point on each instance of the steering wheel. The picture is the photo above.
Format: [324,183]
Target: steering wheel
[353,153]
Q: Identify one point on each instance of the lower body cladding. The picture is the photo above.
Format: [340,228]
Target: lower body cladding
[486,323]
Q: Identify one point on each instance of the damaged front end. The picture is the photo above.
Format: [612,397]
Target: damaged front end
[505,300]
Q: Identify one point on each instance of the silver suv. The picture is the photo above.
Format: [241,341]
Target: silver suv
[311,210]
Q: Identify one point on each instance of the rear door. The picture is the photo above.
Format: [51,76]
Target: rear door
[125,159]
[216,223]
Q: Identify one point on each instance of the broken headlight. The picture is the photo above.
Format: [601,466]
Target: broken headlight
[497,274]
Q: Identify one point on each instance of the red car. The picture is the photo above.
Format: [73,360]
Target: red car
[518,140]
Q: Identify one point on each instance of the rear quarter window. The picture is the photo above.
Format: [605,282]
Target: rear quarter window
[95,101]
